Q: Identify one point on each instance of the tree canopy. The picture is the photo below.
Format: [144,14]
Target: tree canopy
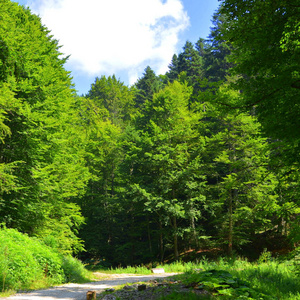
[203,158]
[41,150]
[264,36]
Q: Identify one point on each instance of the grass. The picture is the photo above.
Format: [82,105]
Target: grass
[232,278]
[140,270]
[186,296]
[35,266]
[175,267]
[277,279]
[75,271]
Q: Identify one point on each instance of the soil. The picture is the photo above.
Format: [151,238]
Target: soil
[151,290]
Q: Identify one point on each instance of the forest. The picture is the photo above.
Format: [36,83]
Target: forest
[203,160]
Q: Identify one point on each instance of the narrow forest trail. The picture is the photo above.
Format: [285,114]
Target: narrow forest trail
[74,291]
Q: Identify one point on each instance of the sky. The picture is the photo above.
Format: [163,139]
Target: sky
[122,37]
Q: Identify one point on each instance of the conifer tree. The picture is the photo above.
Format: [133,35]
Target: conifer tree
[189,61]
[215,52]
[189,64]
[146,87]
[173,72]
[240,183]
[167,160]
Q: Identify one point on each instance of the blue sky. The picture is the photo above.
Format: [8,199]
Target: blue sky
[106,37]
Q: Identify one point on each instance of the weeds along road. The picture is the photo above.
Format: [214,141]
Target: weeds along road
[74,291]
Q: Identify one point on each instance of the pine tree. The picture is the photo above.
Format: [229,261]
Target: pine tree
[240,183]
[188,65]
[146,87]
[216,51]
[173,72]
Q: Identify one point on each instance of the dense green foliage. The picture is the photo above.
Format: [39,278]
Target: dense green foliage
[28,263]
[42,158]
[265,39]
[203,159]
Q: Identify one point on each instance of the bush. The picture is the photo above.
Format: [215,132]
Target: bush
[26,262]
[74,270]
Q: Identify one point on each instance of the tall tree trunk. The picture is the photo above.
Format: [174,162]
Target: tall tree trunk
[132,240]
[112,180]
[107,218]
[230,227]
[176,253]
[195,238]
[149,237]
[161,242]
[232,199]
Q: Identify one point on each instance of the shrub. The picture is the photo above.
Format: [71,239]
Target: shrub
[25,261]
[74,270]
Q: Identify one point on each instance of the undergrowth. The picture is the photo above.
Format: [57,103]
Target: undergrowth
[240,279]
[237,278]
[27,263]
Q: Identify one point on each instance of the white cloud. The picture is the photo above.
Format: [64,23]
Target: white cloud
[107,36]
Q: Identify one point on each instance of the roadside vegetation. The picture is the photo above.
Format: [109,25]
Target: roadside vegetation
[26,263]
[236,278]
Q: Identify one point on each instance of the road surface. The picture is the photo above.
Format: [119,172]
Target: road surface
[74,291]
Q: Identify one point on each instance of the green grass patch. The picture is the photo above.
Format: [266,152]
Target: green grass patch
[186,296]
[175,267]
[265,279]
[240,279]
[140,270]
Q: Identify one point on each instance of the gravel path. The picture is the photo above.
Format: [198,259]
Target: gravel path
[74,291]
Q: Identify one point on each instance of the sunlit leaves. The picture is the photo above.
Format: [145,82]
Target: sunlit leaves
[264,36]
[42,147]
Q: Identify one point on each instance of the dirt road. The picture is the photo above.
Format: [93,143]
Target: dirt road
[75,291]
